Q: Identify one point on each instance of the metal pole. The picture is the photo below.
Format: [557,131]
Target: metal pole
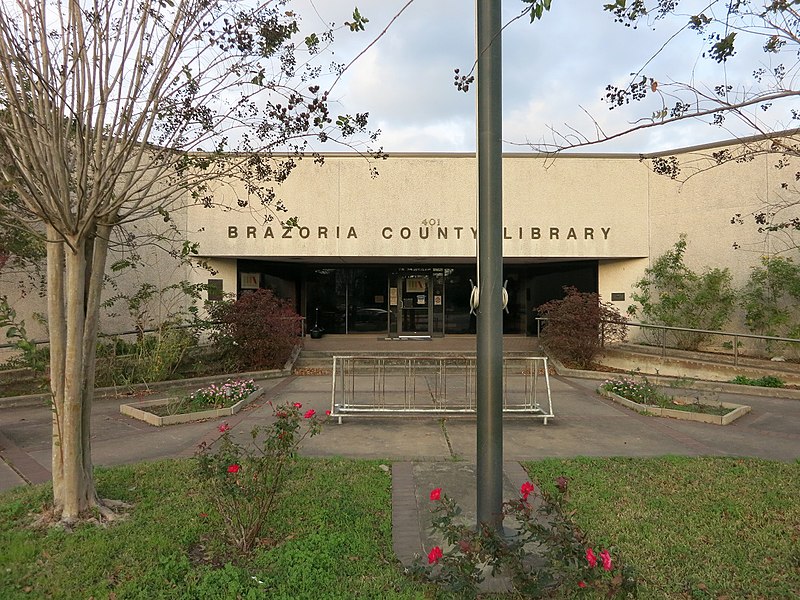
[490,265]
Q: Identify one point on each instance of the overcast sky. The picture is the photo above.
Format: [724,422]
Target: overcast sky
[554,69]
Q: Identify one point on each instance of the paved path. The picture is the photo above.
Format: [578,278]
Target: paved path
[425,451]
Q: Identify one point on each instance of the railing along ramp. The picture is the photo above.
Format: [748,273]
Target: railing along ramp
[402,385]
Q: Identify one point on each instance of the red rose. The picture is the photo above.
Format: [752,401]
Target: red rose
[591,558]
[310,413]
[581,584]
[526,490]
[606,558]
[434,555]
[234,468]
[436,494]
[297,405]
[224,427]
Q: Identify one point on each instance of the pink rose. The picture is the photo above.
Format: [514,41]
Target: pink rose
[606,558]
[436,494]
[297,405]
[224,427]
[526,490]
[591,558]
[434,555]
[309,413]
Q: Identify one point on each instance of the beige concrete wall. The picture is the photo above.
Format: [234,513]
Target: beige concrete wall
[702,207]
[619,276]
[425,206]
[159,269]
[224,269]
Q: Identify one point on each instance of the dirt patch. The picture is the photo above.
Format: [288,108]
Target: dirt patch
[311,371]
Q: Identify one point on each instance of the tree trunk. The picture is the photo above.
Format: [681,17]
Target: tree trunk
[75,492]
[94,289]
[57,332]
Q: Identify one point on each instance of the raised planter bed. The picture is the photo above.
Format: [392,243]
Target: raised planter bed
[736,410]
[138,410]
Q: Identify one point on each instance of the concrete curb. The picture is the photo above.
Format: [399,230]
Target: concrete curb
[134,410]
[160,386]
[670,381]
[737,410]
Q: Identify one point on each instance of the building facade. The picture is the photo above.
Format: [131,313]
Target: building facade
[395,254]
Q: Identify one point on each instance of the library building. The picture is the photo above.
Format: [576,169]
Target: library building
[395,254]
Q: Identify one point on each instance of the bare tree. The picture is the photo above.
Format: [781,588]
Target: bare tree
[750,86]
[118,110]
[744,90]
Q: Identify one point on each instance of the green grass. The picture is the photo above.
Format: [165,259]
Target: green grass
[698,407]
[335,526]
[691,527]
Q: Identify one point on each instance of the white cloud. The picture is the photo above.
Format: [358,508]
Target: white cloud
[553,70]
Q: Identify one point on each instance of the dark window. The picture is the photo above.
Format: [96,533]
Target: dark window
[214,290]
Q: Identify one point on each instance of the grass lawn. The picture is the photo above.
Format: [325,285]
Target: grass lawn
[692,528]
[336,526]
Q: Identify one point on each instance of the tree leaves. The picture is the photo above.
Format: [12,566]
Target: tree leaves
[537,8]
[358,22]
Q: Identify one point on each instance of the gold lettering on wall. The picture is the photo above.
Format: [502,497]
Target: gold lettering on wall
[425,232]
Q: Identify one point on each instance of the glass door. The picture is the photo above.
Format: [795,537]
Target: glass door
[415,308]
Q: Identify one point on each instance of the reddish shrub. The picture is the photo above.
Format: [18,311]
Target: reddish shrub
[579,325]
[258,331]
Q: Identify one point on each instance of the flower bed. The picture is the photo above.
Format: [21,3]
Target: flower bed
[206,403]
[645,398]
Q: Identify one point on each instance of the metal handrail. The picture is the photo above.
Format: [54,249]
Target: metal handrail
[665,328]
[153,330]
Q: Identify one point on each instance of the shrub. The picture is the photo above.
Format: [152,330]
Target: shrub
[31,356]
[642,392]
[258,331]
[243,482]
[542,525]
[153,357]
[770,300]
[765,381]
[672,294]
[579,325]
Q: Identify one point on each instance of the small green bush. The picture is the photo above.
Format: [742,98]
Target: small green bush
[642,392]
[154,357]
[766,381]
[244,481]
[671,294]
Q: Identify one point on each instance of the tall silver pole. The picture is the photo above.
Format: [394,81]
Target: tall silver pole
[490,264]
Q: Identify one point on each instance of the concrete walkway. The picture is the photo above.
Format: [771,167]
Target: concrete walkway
[425,452]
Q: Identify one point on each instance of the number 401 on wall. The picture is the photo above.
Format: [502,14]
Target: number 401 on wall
[431,222]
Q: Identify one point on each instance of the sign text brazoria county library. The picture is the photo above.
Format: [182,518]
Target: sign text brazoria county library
[424,232]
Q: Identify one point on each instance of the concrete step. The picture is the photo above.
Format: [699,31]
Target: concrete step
[317,354]
[323,359]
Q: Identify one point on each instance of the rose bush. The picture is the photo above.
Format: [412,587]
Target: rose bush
[243,481]
[542,524]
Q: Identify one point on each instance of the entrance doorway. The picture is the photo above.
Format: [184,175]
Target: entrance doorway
[415,305]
